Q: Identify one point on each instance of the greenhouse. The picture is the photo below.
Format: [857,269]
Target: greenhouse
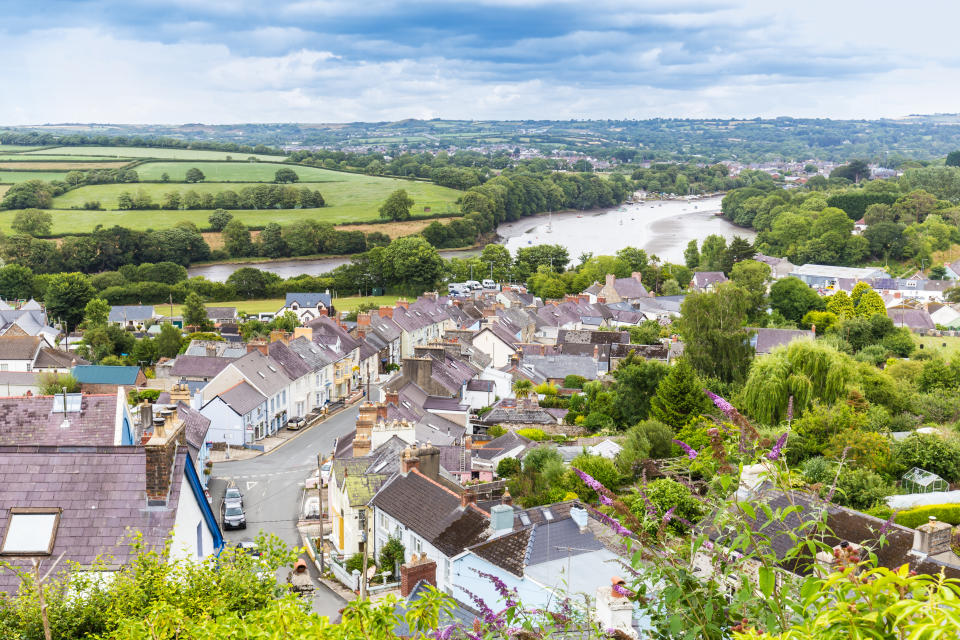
[919,481]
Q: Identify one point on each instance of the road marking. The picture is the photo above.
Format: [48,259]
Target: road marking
[251,484]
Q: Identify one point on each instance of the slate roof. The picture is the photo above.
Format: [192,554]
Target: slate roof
[198,366]
[242,398]
[459,615]
[19,347]
[432,512]
[437,430]
[503,444]
[101,491]
[30,420]
[480,385]
[308,299]
[507,551]
[314,355]
[130,313]
[195,425]
[702,279]
[361,488]
[262,372]
[100,374]
[217,314]
[917,319]
[766,340]
[587,336]
[629,288]
[649,351]
[292,363]
[560,366]
[49,358]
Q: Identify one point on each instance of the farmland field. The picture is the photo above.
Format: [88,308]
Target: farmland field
[271,305]
[355,198]
[11,177]
[934,344]
[66,166]
[145,152]
[16,147]
[3,189]
[42,157]
[237,171]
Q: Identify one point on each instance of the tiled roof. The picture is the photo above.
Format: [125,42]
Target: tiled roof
[195,424]
[130,313]
[262,372]
[629,288]
[316,356]
[100,374]
[560,366]
[912,318]
[587,336]
[242,398]
[480,385]
[101,491]
[766,340]
[429,510]
[57,359]
[32,421]
[19,347]
[308,299]
[221,313]
[198,366]
[507,551]
[360,488]
[703,279]
[292,363]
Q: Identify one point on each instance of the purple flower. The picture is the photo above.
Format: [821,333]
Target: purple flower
[626,593]
[886,524]
[590,481]
[789,411]
[691,453]
[618,528]
[708,545]
[505,592]
[605,500]
[668,515]
[721,404]
[444,633]
[778,447]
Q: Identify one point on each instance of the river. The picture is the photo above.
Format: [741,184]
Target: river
[659,228]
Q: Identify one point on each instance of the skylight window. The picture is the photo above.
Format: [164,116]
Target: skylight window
[547,514]
[260,373]
[524,518]
[270,366]
[73,403]
[30,531]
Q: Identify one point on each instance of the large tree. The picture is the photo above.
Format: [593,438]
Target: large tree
[32,222]
[236,239]
[715,341]
[635,384]
[752,277]
[397,206]
[679,397]
[66,298]
[16,282]
[285,175]
[194,175]
[793,299]
[194,313]
[412,263]
[96,313]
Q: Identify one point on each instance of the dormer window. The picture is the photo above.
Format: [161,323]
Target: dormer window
[294,306]
[31,531]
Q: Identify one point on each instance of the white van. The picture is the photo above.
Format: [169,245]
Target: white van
[489,284]
[473,284]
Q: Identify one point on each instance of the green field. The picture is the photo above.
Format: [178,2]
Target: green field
[40,157]
[235,171]
[11,177]
[145,152]
[933,344]
[15,147]
[271,305]
[3,189]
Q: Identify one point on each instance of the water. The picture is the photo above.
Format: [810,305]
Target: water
[659,228]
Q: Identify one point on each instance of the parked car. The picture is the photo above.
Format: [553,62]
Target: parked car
[249,546]
[453,286]
[296,423]
[233,517]
[473,284]
[489,284]
[233,496]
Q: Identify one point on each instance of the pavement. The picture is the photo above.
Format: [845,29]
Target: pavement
[271,484]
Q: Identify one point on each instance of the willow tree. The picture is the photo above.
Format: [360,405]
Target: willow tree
[805,370]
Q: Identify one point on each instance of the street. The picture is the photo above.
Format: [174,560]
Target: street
[271,486]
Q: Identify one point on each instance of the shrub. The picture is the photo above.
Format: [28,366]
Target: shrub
[660,437]
[355,562]
[496,430]
[574,382]
[532,434]
[392,555]
[602,469]
[508,467]
[665,494]
[913,518]
[862,488]
[866,449]
[930,453]
[818,470]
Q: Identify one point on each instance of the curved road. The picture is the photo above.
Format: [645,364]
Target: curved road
[271,486]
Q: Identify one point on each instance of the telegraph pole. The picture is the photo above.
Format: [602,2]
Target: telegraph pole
[320,504]
[363,550]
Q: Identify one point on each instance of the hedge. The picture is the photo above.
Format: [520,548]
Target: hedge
[949,513]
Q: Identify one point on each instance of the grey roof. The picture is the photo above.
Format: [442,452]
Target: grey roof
[102,494]
[131,313]
[629,288]
[502,444]
[242,398]
[19,378]
[766,340]
[480,385]
[912,318]
[438,430]
[558,539]
[31,420]
[195,424]
[221,313]
[198,366]
[49,358]
[587,336]
[304,299]
[262,372]
[703,279]
[560,366]
[315,355]
[292,363]
[19,347]
[443,404]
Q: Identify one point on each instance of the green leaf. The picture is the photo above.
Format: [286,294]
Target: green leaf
[767,580]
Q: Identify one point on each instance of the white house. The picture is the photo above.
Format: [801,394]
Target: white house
[237,415]
[307,306]
[263,374]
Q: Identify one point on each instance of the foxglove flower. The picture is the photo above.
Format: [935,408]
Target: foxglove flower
[691,453]
[778,447]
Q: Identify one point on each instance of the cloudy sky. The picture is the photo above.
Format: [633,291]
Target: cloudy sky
[223,61]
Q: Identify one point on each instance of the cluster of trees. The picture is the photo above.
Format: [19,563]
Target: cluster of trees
[302,238]
[261,196]
[32,194]
[100,176]
[683,179]
[31,138]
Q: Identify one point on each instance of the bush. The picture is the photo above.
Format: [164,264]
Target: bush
[355,562]
[392,555]
[949,513]
[602,469]
[665,494]
[532,434]
[574,382]
[930,453]
[660,437]
[496,430]
[862,488]
[508,467]
[818,470]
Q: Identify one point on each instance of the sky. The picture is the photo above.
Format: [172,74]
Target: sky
[230,61]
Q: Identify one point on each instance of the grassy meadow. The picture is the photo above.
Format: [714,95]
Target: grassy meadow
[147,152]
[235,171]
[947,346]
[13,177]
[30,157]
[271,305]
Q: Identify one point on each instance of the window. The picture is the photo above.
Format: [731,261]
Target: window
[31,531]
[200,539]
[4,367]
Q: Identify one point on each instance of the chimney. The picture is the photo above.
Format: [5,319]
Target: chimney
[429,461]
[419,568]
[636,275]
[932,538]
[363,320]
[323,311]
[610,279]
[392,397]
[160,453]
[403,302]
[418,370]
[506,498]
[257,345]
[211,351]
[408,460]
[146,417]
[467,498]
[430,295]
[180,393]
[579,516]
[366,419]
[386,312]
[279,336]
[583,298]
[381,411]
[614,611]
[468,442]
[596,351]
[303,332]
[501,519]
[601,299]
